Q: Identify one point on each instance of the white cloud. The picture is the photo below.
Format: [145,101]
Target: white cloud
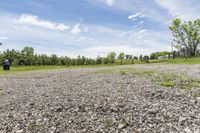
[110,2]
[141,22]
[134,16]
[34,20]
[122,34]
[76,29]
[142,31]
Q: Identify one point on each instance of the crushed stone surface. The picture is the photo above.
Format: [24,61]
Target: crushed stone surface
[85,101]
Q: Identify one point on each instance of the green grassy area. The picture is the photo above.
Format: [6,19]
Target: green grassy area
[167,79]
[16,69]
[194,60]
[128,62]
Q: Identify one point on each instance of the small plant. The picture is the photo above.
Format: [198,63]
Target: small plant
[1,92]
[109,123]
[32,125]
[125,122]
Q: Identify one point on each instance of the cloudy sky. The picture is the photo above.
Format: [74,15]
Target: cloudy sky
[91,27]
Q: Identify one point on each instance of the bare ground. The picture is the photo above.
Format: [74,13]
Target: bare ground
[89,100]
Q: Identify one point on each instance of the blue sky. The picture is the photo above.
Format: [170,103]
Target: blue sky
[92,27]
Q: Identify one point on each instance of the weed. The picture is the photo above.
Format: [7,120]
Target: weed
[109,123]
[32,125]
[125,122]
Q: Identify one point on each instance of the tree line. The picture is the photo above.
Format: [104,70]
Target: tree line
[27,57]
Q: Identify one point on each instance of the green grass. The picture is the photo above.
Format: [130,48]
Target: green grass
[128,62]
[16,69]
[194,60]
[123,72]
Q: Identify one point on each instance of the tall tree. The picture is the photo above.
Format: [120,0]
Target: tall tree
[121,57]
[146,58]
[29,51]
[111,57]
[186,36]
[141,57]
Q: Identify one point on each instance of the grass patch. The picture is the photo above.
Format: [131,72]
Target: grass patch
[167,80]
[123,72]
[194,60]
[172,80]
[167,84]
[16,69]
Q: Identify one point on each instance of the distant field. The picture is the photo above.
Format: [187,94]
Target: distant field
[15,69]
[195,60]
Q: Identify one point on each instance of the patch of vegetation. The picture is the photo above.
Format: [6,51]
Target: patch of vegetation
[17,69]
[32,125]
[109,123]
[147,72]
[125,121]
[1,92]
[172,80]
[189,84]
[106,71]
[193,60]
[123,72]
[167,80]
[142,72]
[168,84]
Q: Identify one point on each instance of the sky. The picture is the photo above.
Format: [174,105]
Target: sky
[92,27]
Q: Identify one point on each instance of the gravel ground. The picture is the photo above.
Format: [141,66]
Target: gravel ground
[85,100]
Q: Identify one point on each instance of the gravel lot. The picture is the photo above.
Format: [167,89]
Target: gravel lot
[89,100]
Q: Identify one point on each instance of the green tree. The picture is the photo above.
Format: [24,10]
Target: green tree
[121,57]
[29,51]
[186,35]
[146,58]
[54,59]
[99,60]
[111,57]
[141,57]
[135,57]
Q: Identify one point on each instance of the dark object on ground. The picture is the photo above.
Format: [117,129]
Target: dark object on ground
[6,65]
